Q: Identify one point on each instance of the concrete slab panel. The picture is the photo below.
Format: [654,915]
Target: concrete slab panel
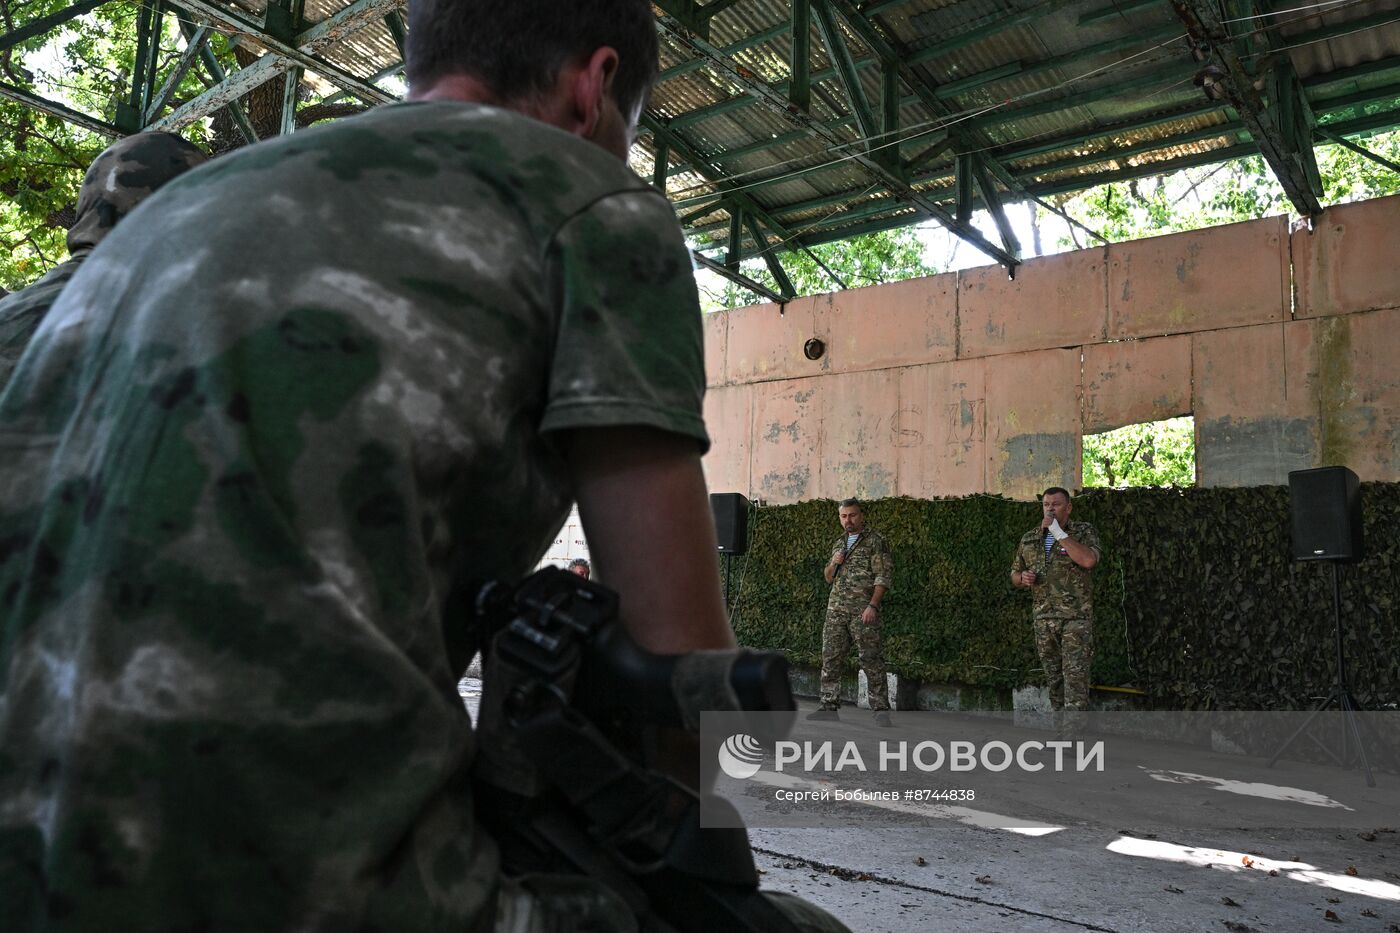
[765,341]
[1033,435]
[858,456]
[1348,263]
[786,442]
[1249,430]
[1054,301]
[1133,381]
[1202,280]
[716,331]
[940,430]
[729,420]
[899,324]
[1344,369]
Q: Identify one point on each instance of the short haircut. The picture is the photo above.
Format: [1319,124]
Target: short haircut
[851,504]
[518,48]
[1057,489]
[578,562]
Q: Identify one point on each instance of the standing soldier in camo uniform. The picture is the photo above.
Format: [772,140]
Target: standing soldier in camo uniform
[859,574]
[125,174]
[267,437]
[1054,561]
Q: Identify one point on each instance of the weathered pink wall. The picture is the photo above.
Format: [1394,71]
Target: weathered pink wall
[1286,348]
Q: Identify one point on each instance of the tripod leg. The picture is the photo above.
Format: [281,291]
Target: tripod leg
[1304,728]
[1385,755]
[1351,728]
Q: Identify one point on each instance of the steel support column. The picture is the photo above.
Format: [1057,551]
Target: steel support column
[800,62]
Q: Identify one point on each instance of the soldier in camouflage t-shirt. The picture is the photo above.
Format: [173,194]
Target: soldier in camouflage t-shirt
[858,572]
[125,174]
[265,441]
[1055,561]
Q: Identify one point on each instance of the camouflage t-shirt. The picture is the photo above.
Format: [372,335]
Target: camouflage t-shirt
[868,564]
[22,312]
[258,450]
[1068,590]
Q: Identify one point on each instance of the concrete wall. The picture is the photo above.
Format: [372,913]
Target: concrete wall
[1283,345]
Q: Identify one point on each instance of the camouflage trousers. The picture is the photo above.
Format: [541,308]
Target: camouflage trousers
[842,627]
[1066,649]
[573,904]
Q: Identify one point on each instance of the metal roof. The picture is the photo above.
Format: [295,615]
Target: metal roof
[797,122]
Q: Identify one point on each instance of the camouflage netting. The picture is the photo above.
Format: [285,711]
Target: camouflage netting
[1197,601]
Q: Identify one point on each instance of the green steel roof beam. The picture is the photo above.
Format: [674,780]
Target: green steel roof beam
[131,112]
[292,82]
[993,203]
[737,277]
[736,200]
[734,246]
[800,61]
[846,67]
[662,156]
[743,45]
[1277,143]
[393,21]
[978,33]
[708,209]
[1084,182]
[778,103]
[770,259]
[1116,10]
[44,24]
[1362,151]
[177,72]
[305,47]
[964,186]
[217,76]
[33,101]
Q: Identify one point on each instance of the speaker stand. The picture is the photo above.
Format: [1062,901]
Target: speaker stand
[728,572]
[1340,697]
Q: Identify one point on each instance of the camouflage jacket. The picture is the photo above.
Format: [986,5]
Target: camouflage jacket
[1068,590]
[868,565]
[250,463]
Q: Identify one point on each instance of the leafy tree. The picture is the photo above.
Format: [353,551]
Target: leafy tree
[873,259]
[1207,196]
[1161,453]
[87,65]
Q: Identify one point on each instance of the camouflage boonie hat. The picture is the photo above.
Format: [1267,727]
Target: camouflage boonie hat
[125,174]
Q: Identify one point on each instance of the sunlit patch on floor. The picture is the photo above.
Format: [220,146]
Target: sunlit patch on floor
[1241,861]
[1247,788]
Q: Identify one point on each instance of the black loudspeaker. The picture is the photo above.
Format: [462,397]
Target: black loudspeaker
[1326,505]
[731,511]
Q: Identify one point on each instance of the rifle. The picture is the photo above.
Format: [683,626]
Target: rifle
[559,779]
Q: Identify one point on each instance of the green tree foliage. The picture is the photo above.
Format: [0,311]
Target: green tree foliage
[1226,193]
[873,259]
[87,65]
[1160,453]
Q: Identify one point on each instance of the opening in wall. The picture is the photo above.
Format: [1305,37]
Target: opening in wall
[1154,453]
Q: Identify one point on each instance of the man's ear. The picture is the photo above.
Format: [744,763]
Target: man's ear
[592,85]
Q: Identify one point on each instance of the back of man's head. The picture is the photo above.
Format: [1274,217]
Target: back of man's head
[518,48]
[125,174]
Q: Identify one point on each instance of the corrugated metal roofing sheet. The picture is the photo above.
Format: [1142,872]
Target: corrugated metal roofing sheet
[1053,92]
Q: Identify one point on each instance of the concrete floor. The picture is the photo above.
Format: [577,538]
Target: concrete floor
[1106,865]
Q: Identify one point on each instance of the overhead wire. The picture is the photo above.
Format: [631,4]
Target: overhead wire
[919,130]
